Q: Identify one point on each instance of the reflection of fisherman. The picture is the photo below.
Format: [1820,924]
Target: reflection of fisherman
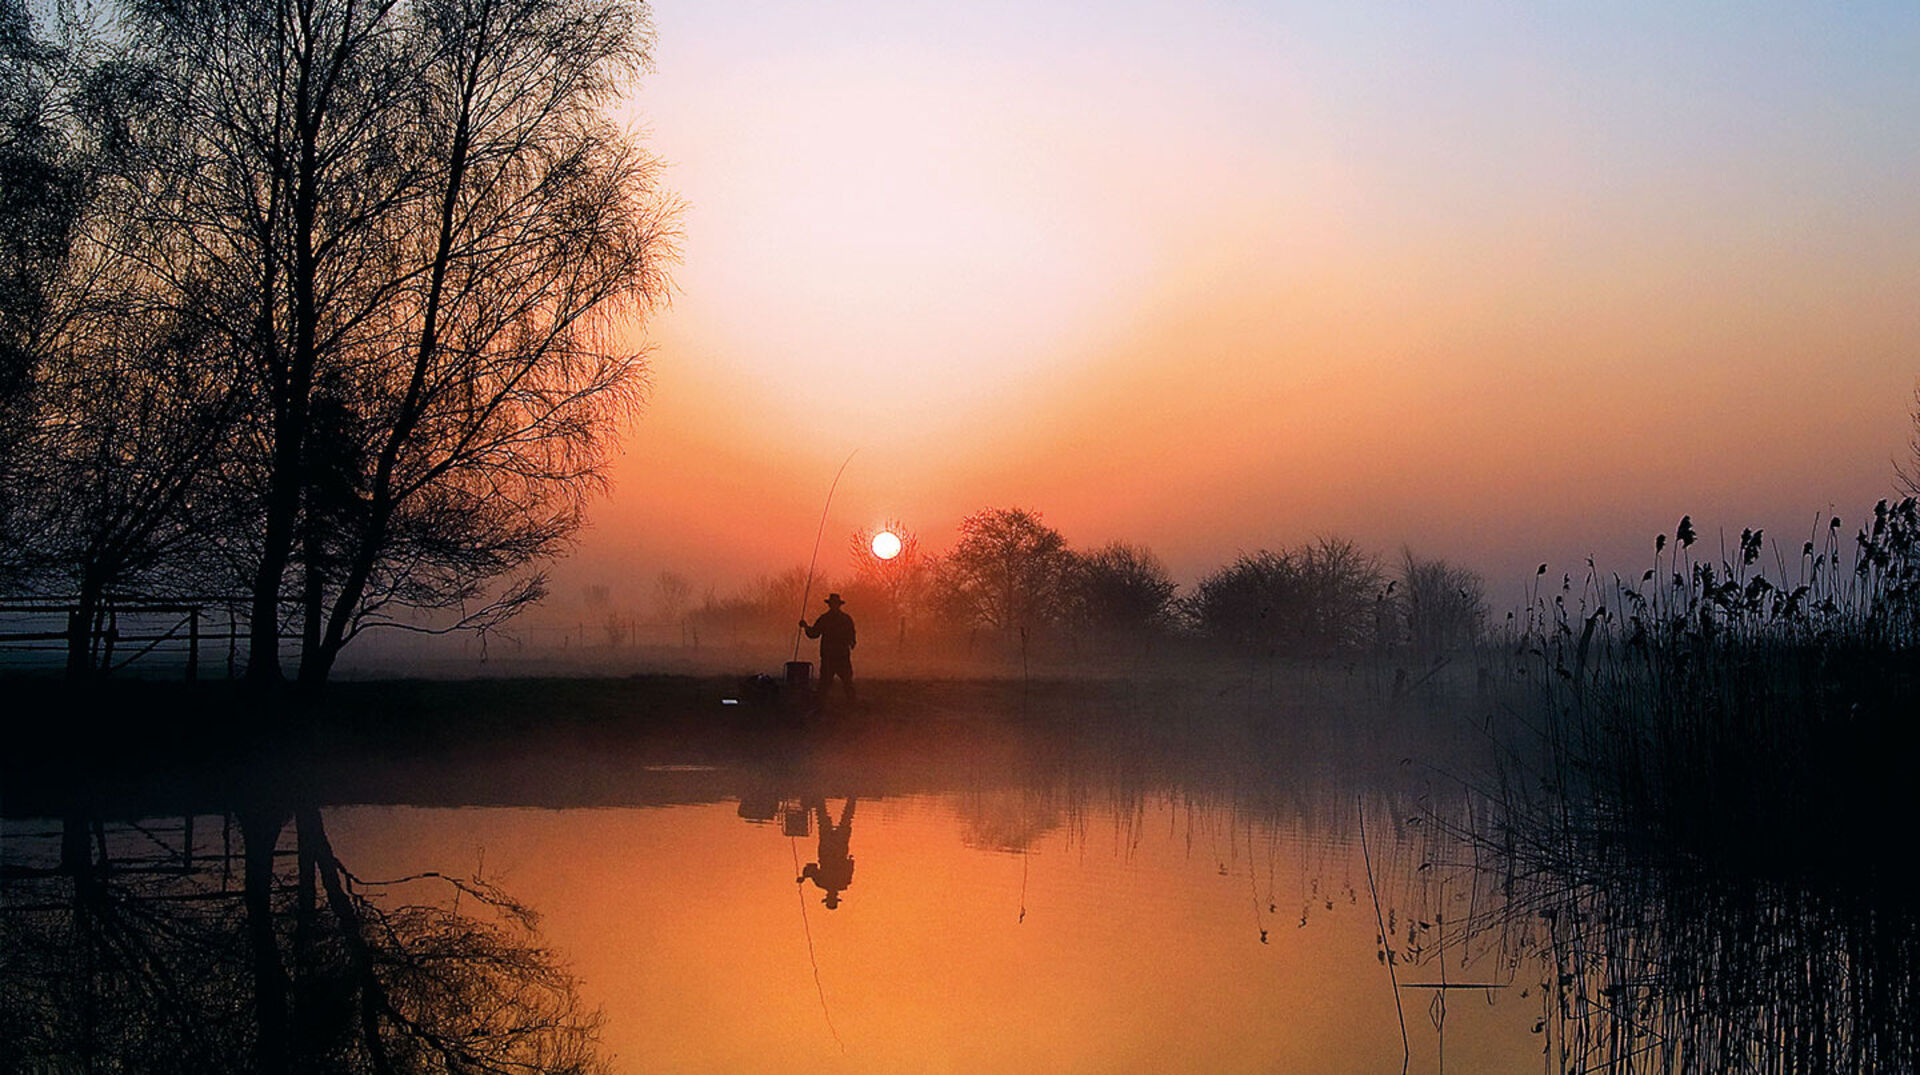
[834,871]
[834,629]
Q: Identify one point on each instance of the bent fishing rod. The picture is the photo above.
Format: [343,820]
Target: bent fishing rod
[807,593]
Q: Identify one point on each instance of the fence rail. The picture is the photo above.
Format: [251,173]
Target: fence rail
[184,626]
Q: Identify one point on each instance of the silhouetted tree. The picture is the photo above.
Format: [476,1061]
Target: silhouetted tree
[1242,603]
[42,195]
[114,459]
[134,418]
[491,418]
[1008,571]
[892,592]
[1315,599]
[1121,587]
[763,609]
[671,595]
[1445,607]
[1340,584]
[290,162]
[423,235]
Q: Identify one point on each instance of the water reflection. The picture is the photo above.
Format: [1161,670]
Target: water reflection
[832,870]
[1152,891]
[1123,942]
[244,943]
[1660,963]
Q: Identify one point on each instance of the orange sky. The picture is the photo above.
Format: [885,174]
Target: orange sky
[1508,287]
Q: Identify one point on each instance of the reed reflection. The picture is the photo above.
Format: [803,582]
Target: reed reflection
[1013,874]
[1655,962]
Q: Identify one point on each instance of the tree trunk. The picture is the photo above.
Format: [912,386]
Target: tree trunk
[80,628]
[296,389]
[374,1003]
[313,601]
[283,505]
[318,664]
[261,832]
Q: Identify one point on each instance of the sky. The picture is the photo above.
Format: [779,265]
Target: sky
[1506,284]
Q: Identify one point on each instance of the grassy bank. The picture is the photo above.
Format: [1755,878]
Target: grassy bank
[125,747]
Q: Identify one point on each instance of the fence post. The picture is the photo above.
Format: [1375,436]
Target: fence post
[113,635]
[193,644]
[79,642]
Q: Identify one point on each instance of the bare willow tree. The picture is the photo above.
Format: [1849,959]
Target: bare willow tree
[1317,598]
[281,144]
[672,597]
[415,222]
[124,406]
[42,192]
[503,365]
[133,412]
[893,591]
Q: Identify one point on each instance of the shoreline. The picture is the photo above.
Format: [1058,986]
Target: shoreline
[128,747]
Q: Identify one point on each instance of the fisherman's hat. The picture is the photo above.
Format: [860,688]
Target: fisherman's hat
[834,600]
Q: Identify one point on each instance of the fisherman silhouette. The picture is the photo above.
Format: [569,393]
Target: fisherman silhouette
[834,871]
[834,629]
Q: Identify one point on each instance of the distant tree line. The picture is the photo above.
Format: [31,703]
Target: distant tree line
[1009,576]
[322,303]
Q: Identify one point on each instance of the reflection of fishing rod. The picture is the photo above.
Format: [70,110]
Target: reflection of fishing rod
[1023,883]
[808,929]
[1253,887]
[817,535]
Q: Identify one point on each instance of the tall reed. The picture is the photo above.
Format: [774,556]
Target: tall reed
[1712,708]
[1703,852]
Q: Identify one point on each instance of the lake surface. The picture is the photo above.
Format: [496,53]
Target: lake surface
[976,931]
[1122,890]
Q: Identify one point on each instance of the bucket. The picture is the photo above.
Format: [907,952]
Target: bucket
[795,821]
[800,674]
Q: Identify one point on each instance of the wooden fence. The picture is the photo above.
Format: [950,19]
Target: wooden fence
[45,625]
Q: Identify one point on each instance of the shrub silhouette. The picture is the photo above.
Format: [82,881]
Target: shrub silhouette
[1121,587]
[1318,598]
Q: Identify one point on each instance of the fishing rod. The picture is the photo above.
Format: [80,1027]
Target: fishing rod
[807,928]
[807,593]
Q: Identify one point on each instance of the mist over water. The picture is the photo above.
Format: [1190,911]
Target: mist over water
[1166,872]
[1404,541]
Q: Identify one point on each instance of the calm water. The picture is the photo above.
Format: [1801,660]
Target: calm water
[976,931]
[1137,893]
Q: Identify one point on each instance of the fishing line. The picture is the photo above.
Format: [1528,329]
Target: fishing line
[817,535]
[1023,885]
[800,889]
[1386,942]
[1273,841]
[1253,886]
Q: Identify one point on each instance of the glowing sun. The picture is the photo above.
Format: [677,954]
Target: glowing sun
[886,544]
